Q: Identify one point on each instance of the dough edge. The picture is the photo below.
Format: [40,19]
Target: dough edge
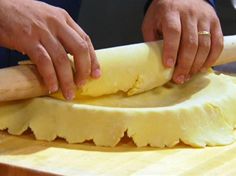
[106,125]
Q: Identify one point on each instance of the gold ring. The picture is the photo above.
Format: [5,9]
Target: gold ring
[204,33]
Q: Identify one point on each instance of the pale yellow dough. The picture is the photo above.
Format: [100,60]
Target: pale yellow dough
[131,69]
[199,113]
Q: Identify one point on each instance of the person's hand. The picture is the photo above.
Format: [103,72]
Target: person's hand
[46,33]
[179,23]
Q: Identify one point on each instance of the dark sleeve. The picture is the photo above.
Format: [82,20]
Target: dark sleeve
[212,2]
[71,6]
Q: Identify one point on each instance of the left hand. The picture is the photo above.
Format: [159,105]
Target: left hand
[179,23]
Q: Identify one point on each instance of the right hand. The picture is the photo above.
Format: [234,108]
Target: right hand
[179,22]
[46,33]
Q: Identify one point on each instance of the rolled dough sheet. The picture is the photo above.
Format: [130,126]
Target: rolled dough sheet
[198,113]
[142,71]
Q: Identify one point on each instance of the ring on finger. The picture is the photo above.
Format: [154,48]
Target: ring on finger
[205,33]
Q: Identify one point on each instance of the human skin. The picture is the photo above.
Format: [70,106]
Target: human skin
[46,33]
[179,22]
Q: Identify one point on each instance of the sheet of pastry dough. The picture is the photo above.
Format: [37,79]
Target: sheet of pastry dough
[142,71]
[199,113]
[138,68]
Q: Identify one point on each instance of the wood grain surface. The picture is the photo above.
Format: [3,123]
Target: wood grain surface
[22,155]
[11,170]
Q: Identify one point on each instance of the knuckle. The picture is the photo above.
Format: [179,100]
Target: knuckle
[68,83]
[64,12]
[192,11]
[61,11]
[53,19]
[183,66]
[210,61]
[87,38]
[205,44]
[26,31]
[185,62]
[60,58]
[174,29]
[215,20]
[41,57]
[58,16]
[83,46]
[51,78]
[219,44]
[43,31]
[87,72]
[191,42]
[162,5]
[83,76]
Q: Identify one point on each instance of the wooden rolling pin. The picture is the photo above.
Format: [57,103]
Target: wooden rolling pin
[24,81]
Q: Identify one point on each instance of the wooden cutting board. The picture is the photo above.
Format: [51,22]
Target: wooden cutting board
[22,155]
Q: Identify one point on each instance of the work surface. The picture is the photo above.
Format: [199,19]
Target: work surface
[60,158]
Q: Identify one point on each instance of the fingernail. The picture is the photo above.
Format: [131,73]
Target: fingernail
[187,77]
[170,62]
[70,95]
[96,73]
[180,79]
[53,89]
[81,83]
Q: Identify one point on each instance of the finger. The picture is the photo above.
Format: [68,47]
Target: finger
[61,64]
[204,44]
[149,33]
[171,33]
[79,48]
[216,45]
[187,50]
[43,62]
[96,71]
[95,67]
[149,28]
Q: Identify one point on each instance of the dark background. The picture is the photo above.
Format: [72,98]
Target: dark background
[118,22]
[227,14]
[112,22]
